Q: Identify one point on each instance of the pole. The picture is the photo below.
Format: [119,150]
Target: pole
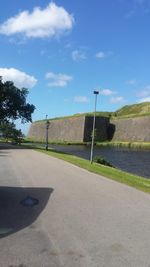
[47,126]
[93,131]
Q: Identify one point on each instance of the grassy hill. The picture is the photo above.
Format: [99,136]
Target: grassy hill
[128,111]
[135,110]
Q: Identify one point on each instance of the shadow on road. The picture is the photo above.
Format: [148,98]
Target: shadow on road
[16,212]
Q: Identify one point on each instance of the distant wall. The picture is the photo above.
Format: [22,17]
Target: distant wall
[74,129]
[79,129]
[132,129]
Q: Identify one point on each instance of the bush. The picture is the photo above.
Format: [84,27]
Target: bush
[101,160]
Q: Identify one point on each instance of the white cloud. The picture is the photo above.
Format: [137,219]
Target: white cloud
[58,80]
[107,92]
[49,22]
[19,78]
[78,55]
[81,99]
[102,55]
[117,99]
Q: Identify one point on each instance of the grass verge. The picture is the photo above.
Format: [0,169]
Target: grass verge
[32,140]
[138,145]
[135,181]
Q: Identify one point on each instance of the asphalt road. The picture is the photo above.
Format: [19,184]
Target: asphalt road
[80,219]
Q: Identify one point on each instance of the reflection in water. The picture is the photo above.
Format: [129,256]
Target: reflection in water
[130,160]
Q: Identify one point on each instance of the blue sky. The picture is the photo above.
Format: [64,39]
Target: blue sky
[63,50]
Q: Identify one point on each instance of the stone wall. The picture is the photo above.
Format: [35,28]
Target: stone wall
[79,129]
[74,129]
[69,129]
[101,126]
[132,129]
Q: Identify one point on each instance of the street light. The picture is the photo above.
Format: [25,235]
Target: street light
[47,126]
[93,131]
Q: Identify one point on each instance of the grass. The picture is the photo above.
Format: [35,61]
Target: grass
[128,111]
[139,145]
[141,108]
[130,116]
[90,114]
[135,181]
[32,140]
[111,115]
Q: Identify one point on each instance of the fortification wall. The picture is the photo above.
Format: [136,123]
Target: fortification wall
[69,129]
[132,129]
[79,129]
[75,129]
[101,126]
[37,131]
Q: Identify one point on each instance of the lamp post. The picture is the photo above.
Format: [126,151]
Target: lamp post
[93,131]
[47,126]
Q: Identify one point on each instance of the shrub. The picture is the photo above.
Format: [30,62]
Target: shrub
[101,160]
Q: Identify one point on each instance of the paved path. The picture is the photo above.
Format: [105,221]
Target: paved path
[81,220]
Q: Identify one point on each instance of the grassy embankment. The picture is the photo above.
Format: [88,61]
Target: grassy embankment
[135,181]
[33,140]
[138,145]
[132,111]
[128,111]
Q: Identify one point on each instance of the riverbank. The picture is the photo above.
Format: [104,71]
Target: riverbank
[139,145]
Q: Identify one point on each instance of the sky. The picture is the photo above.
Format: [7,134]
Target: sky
[63,50]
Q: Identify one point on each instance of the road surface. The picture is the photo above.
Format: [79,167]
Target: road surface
[80,219]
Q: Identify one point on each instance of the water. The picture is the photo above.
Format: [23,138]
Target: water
[130,160]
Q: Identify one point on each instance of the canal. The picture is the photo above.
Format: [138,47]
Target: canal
[135,161]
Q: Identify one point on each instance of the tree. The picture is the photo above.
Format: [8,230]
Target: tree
[13,103]
[9,132]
